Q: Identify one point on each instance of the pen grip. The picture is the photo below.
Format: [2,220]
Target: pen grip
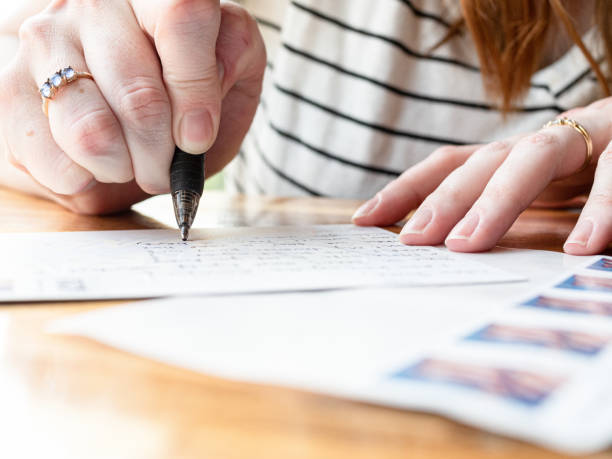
[187,172]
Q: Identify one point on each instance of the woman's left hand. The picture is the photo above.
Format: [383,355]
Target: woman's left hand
[469,196]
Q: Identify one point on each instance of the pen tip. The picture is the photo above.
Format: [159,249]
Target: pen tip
[184,232]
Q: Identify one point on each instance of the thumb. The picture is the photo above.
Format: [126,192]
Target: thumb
[185,35]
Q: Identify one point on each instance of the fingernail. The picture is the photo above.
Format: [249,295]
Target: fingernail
[367,208]
[465,228]
[581,234]
[196,130]
[419,221]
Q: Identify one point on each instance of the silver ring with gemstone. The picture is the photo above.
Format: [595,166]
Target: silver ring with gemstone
[58,80]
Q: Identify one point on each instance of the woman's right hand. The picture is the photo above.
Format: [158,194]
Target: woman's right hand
[184,72]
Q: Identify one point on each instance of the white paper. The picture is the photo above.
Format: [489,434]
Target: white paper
[563,350]
[361,344]
[154,263]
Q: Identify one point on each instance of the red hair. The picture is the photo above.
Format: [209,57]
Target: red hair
[510,38]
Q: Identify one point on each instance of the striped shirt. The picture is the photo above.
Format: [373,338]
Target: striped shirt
[353,96]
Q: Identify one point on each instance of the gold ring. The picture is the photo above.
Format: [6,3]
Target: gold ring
[583,132]
[58,80]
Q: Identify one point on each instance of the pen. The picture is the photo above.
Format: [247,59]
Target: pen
[187,185]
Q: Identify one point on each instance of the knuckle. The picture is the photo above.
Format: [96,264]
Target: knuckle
[143,105]
[37,29]
[448,154]
[195,88]
[500,147]
[540,144]
[494,147]
[447,151]
[96,132]
[539,139]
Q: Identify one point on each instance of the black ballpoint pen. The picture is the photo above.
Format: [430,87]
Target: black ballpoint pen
[187,185]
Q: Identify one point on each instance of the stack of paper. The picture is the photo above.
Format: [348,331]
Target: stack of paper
[467,339]
[539,368]
[154,263]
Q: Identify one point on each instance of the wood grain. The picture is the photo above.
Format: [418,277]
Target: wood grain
[68,397]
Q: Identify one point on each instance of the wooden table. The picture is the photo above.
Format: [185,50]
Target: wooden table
[65,397]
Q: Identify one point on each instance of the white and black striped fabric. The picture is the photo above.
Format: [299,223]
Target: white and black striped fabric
[353,96]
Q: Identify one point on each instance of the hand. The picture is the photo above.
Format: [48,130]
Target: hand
[185,72]
[469,196]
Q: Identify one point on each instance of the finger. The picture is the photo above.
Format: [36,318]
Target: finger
[84,126]
[242,53]
[593,232]
[103,198]
[443,208]
[31,148]
[532,164]
[81,121]
[185,35]
[28,136]
[129,77]
[402,195]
